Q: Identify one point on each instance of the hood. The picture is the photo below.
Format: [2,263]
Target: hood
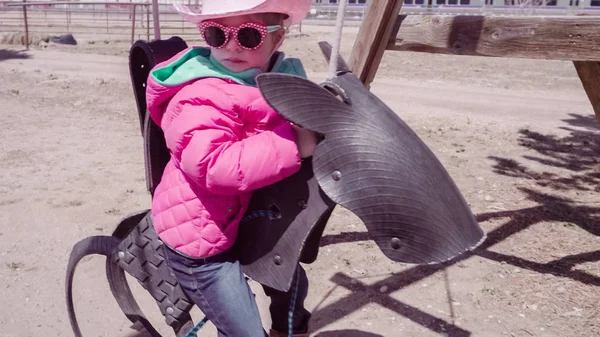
[168,77]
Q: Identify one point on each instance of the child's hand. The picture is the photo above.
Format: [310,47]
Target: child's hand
[306,141]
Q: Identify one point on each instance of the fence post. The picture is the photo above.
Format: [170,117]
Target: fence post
[26,25]
[155,14]
[147,23]
[133,23]
[67,13]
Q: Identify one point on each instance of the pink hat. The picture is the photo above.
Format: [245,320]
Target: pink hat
[213,9]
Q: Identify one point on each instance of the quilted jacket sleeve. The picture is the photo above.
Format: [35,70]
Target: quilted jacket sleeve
[204,139]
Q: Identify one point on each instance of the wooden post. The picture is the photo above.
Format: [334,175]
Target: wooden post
[155,19]
[589,74]
[147,23]
[68,17]
[132,13]
[26,26]
[373,37]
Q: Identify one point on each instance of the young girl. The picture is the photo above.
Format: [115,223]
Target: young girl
[225,141]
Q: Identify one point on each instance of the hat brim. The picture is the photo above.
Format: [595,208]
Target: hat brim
[296,12]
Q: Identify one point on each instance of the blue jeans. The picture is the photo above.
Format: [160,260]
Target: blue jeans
[219,288]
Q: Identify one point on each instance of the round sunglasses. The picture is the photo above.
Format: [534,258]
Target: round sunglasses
[249,35]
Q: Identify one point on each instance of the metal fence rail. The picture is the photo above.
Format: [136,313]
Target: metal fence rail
[110,21]
[93,21]
[90,21]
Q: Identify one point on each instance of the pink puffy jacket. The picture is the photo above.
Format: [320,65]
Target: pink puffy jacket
[225,141]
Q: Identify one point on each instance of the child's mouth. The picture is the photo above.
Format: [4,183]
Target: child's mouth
[235,60]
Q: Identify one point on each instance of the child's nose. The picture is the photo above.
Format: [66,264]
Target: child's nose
[232,45]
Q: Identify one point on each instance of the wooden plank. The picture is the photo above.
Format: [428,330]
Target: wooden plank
[556,38]
[373,36]
[589,73]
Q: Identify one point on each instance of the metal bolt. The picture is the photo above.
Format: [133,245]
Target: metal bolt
[336,175]
[121,255]
[396,243]
[170,311]
[302,204]
[277,260]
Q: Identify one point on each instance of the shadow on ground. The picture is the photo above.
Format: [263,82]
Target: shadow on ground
[9,54]
[578,154]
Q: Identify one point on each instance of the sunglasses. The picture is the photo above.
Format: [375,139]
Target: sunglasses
[249,36]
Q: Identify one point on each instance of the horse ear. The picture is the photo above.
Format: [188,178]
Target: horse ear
[300,101]
[327,49]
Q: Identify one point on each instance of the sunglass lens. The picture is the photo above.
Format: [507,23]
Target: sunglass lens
[249,37]
[214,36]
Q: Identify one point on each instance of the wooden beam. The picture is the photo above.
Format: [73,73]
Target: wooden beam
[589,74]
[373,36]
[574,38]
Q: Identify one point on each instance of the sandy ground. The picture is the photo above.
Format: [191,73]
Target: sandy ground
[518,136]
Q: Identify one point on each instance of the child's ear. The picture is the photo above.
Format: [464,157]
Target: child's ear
[278,38]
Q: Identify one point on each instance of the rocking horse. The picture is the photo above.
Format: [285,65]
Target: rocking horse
[369,162]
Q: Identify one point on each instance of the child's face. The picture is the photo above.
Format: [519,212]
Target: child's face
[235,58]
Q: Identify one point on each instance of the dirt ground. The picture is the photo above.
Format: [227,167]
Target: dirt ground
[518,136]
